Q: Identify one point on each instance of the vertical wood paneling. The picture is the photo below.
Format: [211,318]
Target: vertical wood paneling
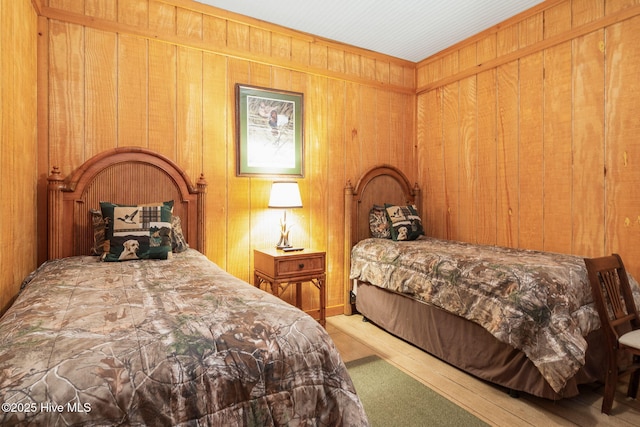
[189,110]
[531,153]
[622,146]
[18,146]
[487,158]
[216,152]
[336,179]
[163,99]
[468,161]
[557,148]
[238,195]
[556,130]
[66,95]
[132,91]
[507,155]
[451,149]
[353,157]
[588,191]
[100,91]
[434,194]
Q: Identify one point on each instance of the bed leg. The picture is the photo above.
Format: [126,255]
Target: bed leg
[365,320]
[514,393]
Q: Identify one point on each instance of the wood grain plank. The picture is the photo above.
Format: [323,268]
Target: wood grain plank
[531,153]
[66,96]
[134,13]
[383,128]
[586,11]
[367,121]
[189,24]
[557,149]
[588,186]
[217,148]
[451,153]
[238,36]
[336,179]
[622,110]
[507,155]
[163,89]
[105,9]
[434,193]
[487,158]
[280,46]
[132,91]
[189,110]
[354,165]
[162,17]
[18,146]
[468,161]
[531,30]
[238,250]
[100,91]
[557,19]
[260,41]
[214,32]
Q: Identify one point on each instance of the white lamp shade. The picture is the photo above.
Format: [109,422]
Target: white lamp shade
[285,194]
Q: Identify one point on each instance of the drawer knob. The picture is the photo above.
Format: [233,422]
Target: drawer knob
[301,266]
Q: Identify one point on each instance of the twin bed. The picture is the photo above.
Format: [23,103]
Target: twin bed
[168,341]
[520,319]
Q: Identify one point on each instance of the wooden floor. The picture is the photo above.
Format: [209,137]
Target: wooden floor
[355,339]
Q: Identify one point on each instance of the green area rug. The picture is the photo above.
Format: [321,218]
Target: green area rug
[393,398]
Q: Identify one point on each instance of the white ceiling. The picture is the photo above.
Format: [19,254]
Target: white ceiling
[407,29]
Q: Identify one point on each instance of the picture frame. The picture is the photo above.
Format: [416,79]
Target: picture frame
[269,132]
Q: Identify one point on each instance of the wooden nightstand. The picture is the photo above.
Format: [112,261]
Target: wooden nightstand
[281,269]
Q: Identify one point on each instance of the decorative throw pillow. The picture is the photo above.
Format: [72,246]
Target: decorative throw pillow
[178,242]
[405,222]
[379,223]
[137,231]
[97,222]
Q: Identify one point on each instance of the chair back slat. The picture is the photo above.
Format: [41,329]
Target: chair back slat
[610,281]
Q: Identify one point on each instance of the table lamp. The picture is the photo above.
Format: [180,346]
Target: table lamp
[284,195]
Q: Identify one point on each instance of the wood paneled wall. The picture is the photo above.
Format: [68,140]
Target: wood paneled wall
[527,133]
[161,74]
[18,110]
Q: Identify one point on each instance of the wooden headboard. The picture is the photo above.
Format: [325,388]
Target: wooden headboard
[377,186]
[127,175]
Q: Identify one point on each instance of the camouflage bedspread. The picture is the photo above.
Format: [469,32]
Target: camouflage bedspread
[177,342]
[538,302]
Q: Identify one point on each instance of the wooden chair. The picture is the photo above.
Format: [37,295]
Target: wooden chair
[620,323]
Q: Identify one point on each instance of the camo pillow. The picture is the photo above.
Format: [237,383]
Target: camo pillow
[379,223]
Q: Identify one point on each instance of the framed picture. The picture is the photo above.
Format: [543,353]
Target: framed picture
[269,129]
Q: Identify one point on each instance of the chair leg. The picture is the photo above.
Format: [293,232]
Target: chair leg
[609,390]
[632,391]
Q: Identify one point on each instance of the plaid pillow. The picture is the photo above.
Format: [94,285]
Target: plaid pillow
[137,231]
[405,222]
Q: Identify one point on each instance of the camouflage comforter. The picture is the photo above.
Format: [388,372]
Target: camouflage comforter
[538,302]
[176,342]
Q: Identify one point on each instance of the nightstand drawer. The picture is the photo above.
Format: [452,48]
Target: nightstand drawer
[300,265]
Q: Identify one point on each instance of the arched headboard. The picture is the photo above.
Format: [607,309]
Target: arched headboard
[126,175]
[377,186]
